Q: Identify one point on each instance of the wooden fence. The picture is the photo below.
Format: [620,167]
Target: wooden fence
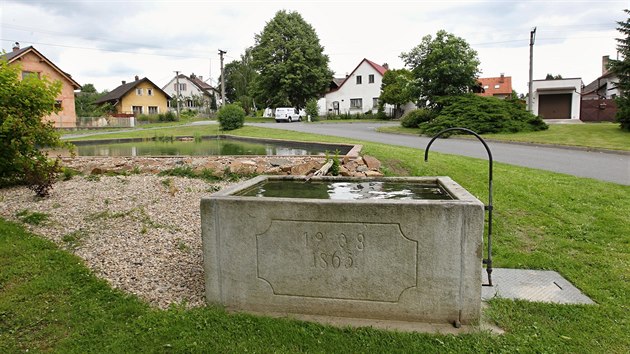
[602,110]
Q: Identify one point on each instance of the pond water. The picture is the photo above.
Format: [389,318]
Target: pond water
[210,146]
[347,190]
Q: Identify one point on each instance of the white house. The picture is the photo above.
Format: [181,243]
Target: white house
[194,93]
[357,93]
[557,99]
[604,87]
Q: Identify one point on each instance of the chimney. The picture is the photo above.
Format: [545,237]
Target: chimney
[502,78]
[200,78]
[137,78]
[605,59]
[124,82]
[16,46]
[386,66]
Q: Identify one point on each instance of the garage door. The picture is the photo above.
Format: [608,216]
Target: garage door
[557,106]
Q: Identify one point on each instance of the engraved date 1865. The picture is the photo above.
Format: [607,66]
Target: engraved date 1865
[335,250]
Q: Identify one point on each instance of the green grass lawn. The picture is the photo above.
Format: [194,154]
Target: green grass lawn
[590,135]
[578,227]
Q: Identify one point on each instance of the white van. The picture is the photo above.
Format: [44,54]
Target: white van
[288,114]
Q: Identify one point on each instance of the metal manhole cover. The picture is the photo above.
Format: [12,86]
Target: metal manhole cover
[533,285]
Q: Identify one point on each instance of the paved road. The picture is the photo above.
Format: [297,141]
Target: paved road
[605,166]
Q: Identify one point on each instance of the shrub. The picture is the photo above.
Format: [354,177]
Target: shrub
[41,175]
[380,113]
[312,110]
[412,119]
[68,173]
[231,117]
[180,171]
[187,113]
[146,118]
[24,135]
[167,117]
[483,115]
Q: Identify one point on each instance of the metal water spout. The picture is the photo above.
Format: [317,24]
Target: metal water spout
[488,260]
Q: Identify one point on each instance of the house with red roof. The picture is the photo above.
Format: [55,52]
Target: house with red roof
[32,62]
[357,93]
[500,87]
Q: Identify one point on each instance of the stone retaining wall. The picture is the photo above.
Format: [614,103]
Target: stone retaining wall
[351,165]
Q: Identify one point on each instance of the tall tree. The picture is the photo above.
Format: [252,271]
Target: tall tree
[621,68]
[396,88]
[228,70]
[84,102]
[292,65]
[442,66]
[239,76]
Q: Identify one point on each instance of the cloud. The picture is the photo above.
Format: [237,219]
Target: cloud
[185,35]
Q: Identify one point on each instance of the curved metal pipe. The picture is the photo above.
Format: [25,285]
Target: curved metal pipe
[488,260]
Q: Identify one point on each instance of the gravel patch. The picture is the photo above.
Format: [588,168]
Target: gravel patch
[142,233]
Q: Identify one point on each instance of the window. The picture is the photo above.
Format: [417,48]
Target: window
[356,103]
[153,110]
[26,74]
[150,92]
[374,102]
[371,79]
[136,109]
[359,80]
[139,92]
[496,86]
[182,87]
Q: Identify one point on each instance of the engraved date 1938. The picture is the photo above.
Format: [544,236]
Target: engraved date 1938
[335,251]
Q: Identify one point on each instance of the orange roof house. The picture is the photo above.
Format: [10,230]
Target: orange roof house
[33,62]
[500,87]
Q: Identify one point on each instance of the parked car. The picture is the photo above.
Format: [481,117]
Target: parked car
[288,114]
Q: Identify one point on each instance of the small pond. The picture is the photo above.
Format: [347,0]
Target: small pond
[346,190]
[207,146]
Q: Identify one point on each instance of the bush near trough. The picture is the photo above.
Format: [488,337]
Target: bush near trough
[484,115]
[412,119]
[231,117]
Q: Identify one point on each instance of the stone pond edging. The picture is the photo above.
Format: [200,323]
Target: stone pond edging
[352,164]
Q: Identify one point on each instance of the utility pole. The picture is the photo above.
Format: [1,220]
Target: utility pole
[532,39]
[177,90]
[221,52]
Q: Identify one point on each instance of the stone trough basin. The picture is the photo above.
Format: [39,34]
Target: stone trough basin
[367,248]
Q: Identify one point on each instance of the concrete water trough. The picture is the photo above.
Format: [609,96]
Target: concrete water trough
[355,248]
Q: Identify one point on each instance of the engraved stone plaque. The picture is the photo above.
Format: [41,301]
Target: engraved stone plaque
[338,260]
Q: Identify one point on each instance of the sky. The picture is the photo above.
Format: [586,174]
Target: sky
[105,42]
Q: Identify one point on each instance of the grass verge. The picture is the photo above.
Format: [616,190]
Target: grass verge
[579,227]
[590,135]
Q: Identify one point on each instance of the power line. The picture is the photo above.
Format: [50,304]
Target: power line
[91,38]
[108,50]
